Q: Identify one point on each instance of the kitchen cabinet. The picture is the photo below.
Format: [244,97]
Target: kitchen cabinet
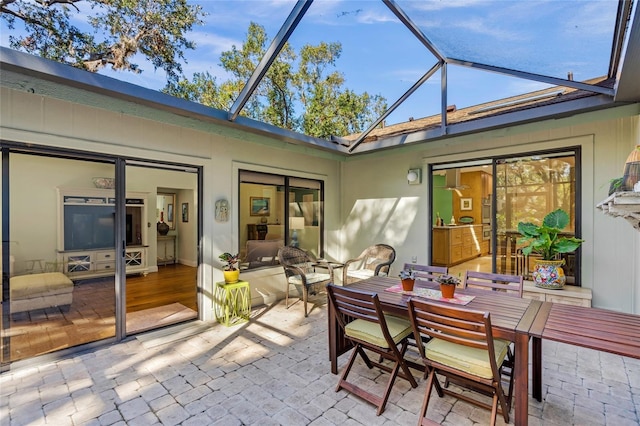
[452,245]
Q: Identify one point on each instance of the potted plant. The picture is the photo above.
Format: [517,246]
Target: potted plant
[547,241]
[448,285]
[231,271]
[408,278]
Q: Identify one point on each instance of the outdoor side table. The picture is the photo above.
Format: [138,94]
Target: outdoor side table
[232,302]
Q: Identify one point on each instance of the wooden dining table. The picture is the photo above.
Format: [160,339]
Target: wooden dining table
[511,319]
[594,328]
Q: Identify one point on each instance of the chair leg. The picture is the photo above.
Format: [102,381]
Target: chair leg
[427,395]
[286,296]
[305,296]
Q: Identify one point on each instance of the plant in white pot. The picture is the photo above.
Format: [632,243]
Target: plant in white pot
[547,241]
[231,271]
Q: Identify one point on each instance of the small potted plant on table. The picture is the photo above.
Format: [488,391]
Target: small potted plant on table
[408,278]
[231,271]
[448,285]
[545,240]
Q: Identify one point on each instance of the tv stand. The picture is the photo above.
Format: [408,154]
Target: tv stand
[102,263]
[86,232]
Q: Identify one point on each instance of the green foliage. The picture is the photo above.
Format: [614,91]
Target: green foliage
[231,261]
[302,81]
[544,239]
[122,29]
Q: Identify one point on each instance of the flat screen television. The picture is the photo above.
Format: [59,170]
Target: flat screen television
[91,227]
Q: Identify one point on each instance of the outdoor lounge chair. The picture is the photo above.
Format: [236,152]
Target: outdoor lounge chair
[375,260]
[299,271]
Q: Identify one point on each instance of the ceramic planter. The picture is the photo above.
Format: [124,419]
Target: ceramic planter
[447,290]
[231,276]
[407,284]
[549,274]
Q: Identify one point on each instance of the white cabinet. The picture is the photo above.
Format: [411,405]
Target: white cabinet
[100,263]
[166,249]
[86,232]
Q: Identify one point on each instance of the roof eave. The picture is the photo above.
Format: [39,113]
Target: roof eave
[552,111]
[30,65]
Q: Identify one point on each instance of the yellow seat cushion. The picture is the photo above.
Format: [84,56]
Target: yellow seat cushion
[399,328]
[471,360]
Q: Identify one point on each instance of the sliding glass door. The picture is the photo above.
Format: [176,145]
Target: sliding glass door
[59,291]
[477,205]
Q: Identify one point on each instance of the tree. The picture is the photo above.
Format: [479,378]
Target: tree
[121,29]
[294,81]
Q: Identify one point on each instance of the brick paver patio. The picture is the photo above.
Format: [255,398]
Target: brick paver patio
[274,370]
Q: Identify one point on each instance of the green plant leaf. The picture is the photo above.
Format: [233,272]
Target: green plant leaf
[557,219]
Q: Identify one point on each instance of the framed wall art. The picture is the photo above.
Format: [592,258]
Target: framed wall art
[260,206]
[185,212]
[466,203]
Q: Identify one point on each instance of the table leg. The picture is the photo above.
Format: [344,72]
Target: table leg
[333,336]
[521,391]
[536,368]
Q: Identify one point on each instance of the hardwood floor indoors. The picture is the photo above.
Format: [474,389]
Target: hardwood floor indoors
[158,299]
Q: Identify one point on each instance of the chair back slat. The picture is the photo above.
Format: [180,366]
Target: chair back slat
[511,285]
[453,324]
[426,273]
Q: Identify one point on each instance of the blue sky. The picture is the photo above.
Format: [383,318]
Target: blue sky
[381,56]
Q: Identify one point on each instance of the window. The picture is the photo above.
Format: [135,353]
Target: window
[490,197]
[275,211]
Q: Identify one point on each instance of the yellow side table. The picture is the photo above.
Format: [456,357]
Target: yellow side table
[232,302]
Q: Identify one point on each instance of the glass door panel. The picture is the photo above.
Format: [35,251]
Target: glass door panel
[62,258]
[161,261]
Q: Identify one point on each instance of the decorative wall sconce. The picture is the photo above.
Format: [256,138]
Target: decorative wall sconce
[414,176]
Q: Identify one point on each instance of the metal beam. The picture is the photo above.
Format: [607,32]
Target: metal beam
[622,20]
[395,105]
[404,18]
[535,77]
[628,85]
[272,52]
[443,98]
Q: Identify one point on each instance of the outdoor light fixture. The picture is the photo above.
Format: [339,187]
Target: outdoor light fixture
[414,176]
[295,223]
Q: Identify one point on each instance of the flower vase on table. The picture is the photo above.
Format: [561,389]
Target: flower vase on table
[448,290]
[407,284]
[163,228]
[408,279]
[448,285]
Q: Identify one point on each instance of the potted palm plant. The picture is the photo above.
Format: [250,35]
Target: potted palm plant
[231,271]
[448,285]
[546,240]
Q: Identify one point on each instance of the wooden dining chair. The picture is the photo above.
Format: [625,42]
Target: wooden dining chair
[461,348]
[426,272]
[511,285]
[360,316]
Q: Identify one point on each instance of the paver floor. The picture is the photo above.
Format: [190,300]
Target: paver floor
[274,370]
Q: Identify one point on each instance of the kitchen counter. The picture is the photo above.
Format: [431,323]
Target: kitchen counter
[454,244]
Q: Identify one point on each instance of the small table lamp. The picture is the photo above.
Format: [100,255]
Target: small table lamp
[295,223]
